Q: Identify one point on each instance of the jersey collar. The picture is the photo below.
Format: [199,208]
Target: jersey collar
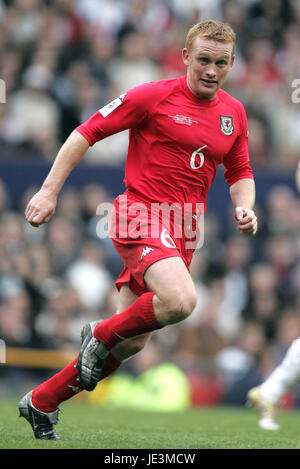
[200,101]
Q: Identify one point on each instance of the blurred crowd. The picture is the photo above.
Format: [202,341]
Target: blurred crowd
[61,60]
[59,276]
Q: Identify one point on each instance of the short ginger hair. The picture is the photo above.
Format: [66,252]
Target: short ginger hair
[211,29]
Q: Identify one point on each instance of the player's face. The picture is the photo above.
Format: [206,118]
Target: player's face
[208,63]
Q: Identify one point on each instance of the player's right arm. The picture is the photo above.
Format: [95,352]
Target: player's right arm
[298,177]
[128,111]
[42,205]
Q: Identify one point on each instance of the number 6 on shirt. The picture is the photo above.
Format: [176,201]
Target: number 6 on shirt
[194,155]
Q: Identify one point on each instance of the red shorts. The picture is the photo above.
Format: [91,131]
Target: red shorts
[142,239]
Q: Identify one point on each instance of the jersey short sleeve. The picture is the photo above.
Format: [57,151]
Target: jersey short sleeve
[128,111]
[236,162]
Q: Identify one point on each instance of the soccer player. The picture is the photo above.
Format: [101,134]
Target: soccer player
[180,131]
[266,397]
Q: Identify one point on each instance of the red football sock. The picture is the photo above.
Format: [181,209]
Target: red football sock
[138,319]
[111,364]
[64,385]
[60,387]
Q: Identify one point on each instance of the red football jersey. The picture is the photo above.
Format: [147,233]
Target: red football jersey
[176,140]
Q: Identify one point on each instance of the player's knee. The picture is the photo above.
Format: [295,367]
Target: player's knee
[181,305]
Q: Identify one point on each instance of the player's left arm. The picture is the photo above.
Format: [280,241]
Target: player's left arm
[242,194]
[239,176]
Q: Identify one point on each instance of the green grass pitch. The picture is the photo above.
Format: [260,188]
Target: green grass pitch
[84,426]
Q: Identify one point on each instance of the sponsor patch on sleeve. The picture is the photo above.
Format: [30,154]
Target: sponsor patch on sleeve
[108,108]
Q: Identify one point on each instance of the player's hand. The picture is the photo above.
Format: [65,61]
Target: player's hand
[246,221]
[40,208]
